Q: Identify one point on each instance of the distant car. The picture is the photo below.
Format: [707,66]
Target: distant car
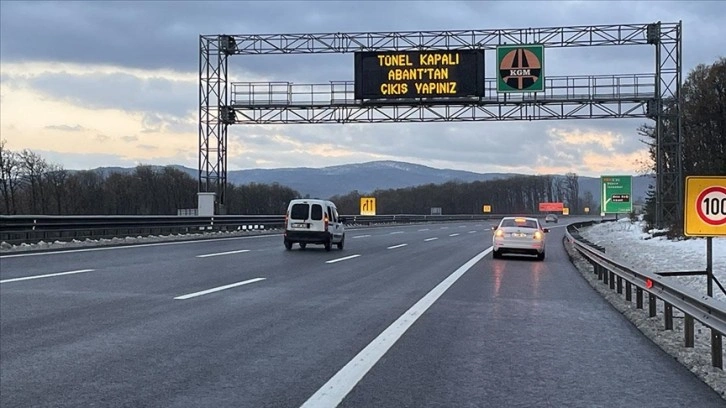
[551,218]
[519,235]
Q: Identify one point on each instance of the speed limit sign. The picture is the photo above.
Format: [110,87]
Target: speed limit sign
[705,206]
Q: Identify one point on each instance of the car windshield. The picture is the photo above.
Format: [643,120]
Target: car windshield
[519,223]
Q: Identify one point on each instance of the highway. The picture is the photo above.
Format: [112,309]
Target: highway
[403,316]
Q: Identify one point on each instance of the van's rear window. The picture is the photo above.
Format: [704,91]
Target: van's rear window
[299,212]
[317,212]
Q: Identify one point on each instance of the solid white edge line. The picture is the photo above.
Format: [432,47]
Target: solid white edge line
[430,239]
[109,248]
[46,276]
[223,253]
[342,259]
[332,392]
[396,246]
[217,289]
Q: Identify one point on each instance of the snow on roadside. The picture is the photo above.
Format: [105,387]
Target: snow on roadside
[8,248]
[696,359]
[625,241]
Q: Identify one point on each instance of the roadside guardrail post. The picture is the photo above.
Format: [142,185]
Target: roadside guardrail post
[651,305]
[628,291]
[689,331]
[668,315]
[612,280]
[716,349]
[638,298]
[620,285]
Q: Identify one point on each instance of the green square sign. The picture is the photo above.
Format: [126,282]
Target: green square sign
[617,193]
[520,68]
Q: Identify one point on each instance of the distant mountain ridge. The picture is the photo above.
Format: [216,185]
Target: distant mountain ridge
[367,177]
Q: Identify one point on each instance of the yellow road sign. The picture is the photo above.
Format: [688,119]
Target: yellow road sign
[587,210]
[705,206]
[367,206]
[486,208]
[565,211]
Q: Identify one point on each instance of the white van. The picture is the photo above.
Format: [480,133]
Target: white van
[312,221]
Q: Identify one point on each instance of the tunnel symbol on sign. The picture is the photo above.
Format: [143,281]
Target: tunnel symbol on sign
[520,68]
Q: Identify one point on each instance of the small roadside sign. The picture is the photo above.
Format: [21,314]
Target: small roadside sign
[487,208]
[367,206]
[705,206]
[616,194]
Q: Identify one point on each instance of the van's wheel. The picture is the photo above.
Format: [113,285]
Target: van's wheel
[303,245]
[327,245]
[288,245]
[341,243]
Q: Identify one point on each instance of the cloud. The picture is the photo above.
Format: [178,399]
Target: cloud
[148,147]
[66,128]
[123,77]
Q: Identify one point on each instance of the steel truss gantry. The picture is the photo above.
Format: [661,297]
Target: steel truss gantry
[642,95]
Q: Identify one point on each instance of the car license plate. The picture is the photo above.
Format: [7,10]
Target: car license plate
[519,235]
[299,225]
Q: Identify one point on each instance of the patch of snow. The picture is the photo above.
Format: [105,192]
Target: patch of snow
[625,242]
[88,242]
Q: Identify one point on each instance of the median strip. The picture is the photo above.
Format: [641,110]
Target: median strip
[224,253]
[341,259]
[217,289]
[50,275]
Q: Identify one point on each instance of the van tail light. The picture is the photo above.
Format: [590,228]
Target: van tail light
[285,222]
[326,223]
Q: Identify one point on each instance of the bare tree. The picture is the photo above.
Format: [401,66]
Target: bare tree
[34,169]
[9,177]
[56,178]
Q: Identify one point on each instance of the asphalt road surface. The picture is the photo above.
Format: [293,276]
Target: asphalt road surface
[403,316]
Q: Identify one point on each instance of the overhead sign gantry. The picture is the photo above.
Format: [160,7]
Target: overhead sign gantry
[438,76]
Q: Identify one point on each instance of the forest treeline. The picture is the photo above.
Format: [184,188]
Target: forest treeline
[32,185]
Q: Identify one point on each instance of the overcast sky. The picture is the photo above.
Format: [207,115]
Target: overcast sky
[89,84]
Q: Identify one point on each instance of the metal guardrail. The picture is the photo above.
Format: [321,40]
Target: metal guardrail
[705,309]
[33,229]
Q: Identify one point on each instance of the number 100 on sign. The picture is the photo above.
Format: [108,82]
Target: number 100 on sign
[705,206]
[712,206]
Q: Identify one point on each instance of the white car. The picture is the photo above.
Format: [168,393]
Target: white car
[519,235]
